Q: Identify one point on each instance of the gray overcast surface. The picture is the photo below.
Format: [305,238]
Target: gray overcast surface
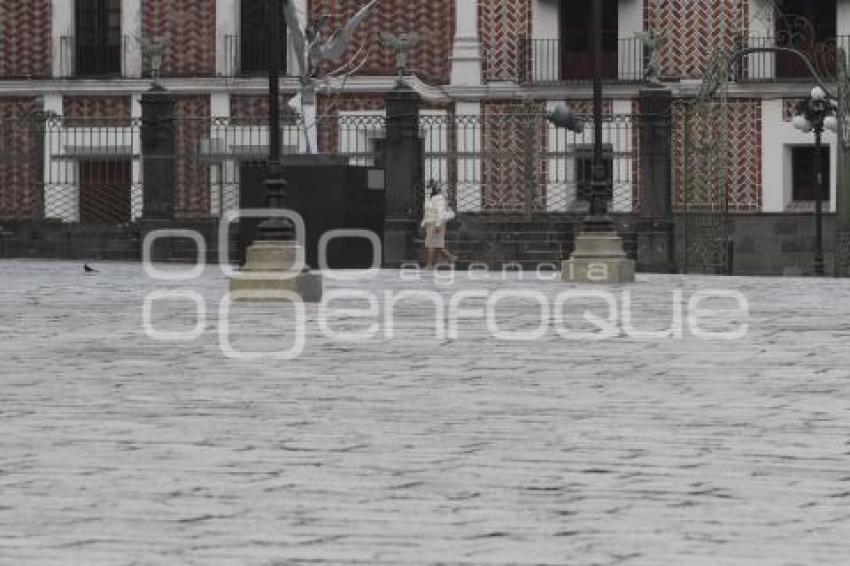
[117,449]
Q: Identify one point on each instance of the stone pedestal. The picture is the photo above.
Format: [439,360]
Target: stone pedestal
[158,154]
[404,178]
[598,258]
[267,262]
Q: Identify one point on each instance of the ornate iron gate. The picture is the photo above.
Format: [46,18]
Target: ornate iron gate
[702,181]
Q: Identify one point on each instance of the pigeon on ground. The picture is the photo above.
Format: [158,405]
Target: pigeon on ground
[89,269]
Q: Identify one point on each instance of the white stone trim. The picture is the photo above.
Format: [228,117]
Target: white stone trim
[131,30]
[226,24]
[469,170]
[778,137]
[62,24]
[466,50]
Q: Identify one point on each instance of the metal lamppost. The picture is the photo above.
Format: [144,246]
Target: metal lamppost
[274,255]
[277,228]
[598,219]
[598,255]
[816,114]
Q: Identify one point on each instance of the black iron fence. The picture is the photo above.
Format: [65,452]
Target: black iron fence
[249,55]
[517,162]
[81,58]
[569,58]
[769,66]
[91,170]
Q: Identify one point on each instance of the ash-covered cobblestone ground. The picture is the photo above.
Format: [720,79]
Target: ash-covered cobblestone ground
[116,449]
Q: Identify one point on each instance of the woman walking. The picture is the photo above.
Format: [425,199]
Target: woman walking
[436,214]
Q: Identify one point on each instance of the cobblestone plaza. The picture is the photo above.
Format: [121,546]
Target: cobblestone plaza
[119,449]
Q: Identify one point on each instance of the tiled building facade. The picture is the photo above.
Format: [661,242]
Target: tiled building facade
[477,58]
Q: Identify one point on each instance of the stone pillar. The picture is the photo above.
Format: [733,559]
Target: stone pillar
[655,225]
[158,154]
[466,51]
[131,28]
[403,159]
[842,210]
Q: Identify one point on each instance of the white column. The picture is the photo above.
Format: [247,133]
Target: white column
[137,199]
[131,29]
[560,167]
[466,52]
[224,175]
[545,32]
[778,139]
[62,24]
[61,193]
[227,26]
[469,144]
[843,24]
[629,48]
[619,135]
[761,34]
[291,62]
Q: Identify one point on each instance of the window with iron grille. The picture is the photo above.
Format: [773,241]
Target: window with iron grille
[577,39]
[254,40]
[98,37]
[809,27]
[803,164]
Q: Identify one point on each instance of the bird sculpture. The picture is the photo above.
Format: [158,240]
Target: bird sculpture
[401,45]
[312,47]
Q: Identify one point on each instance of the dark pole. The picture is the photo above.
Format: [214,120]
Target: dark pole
[274,8]
[819,271]
[276,228]
[598,220]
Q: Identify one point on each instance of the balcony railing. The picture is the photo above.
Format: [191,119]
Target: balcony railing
[786,66]
[570,59]
[249,56]
[85,59]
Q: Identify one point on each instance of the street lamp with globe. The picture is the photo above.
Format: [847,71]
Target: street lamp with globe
[816,114]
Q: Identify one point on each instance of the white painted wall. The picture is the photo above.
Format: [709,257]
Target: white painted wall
[59,201]
[843,24]
[468,160]
[226,24]
[630,53]
[466,49]
[761,32]
[62,24]
[222,197]
[137,194]
[131,29]
[843,17]
[562,182]
[545,25]
[778,137]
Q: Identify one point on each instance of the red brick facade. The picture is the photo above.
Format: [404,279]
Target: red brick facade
[192,178]
[25,42]
[503,25]
[694,31]
[507,133]
[697,170]
[20,168]
[191,28]
[253,109]
[97,110]
[433,19]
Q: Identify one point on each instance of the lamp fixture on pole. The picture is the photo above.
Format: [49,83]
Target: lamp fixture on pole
[816,114]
